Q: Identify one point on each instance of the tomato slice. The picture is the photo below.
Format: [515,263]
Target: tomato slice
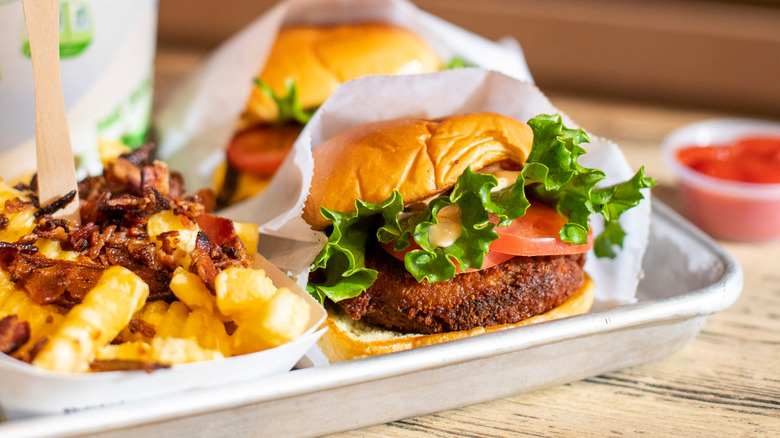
[536,234]
[261,150]
[492,258]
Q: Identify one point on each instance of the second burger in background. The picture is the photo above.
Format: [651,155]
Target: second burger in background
[440,229]
[305,67]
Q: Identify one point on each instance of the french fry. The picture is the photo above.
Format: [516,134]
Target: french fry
[135,350]
[183,242]
[173,323]
[169,351]
[189,289]
[249,235]
[102,314]
[283,318]
[177,351]
[21,219]
[110,150]
[53,250]
[208,331]
[43,320]
[241,290]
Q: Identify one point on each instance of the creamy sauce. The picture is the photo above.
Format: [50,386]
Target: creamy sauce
[505,177]
[447,231]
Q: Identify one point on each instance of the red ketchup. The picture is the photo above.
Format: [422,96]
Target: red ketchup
[750,160]
[749,211]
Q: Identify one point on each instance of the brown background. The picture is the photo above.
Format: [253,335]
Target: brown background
[716,55]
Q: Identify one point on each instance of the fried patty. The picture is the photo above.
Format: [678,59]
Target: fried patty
[509,292]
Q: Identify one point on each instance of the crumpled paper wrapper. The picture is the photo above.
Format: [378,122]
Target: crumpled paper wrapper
[197,122]
[288,241]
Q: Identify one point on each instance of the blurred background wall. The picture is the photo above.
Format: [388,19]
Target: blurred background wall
[716,54]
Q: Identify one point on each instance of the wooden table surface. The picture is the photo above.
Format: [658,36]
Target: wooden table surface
[726,382]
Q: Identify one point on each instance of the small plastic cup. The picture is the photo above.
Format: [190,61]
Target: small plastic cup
[725,209]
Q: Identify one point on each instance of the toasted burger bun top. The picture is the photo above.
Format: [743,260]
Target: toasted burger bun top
[318,60]
[418,157]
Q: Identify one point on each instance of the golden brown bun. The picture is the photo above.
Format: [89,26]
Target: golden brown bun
[318,60]
[347,339]
[417,157]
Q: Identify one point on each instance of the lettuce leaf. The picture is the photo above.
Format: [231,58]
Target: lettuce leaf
[342,260]
[551,175]
[457,62]
[289,105]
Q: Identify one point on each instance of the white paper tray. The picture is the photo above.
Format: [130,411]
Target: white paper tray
[687,277]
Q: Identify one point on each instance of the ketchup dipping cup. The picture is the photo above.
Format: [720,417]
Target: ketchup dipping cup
[744,211]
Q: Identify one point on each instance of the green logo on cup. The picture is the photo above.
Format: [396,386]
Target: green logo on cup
[76,29]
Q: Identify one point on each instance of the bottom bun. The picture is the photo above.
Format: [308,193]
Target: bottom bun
[348,339]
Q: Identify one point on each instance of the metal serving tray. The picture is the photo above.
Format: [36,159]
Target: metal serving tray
[687,277]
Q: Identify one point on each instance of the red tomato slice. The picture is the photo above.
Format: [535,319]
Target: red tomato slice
[536,234]
[260,151]
[492,258]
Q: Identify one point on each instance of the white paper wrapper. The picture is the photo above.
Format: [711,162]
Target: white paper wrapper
[290,243]
[26,391]
[196,124]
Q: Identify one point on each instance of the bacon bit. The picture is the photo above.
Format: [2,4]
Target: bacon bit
[230,328]
[46,280]
[219,229]
[157,280]
[141,326]
[156,177]
[15,205]
[30,354]
[176,183]
[55,229]
[165,241]
[56,205]
[13,334]
[156,201]
[201,260]
[3,222]
[122,172]
[140,156]
[81,238]
[8,251]
[222,233]
[127,365]
[206,198]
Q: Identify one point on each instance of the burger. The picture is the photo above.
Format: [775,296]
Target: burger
[440,229]
[305,66]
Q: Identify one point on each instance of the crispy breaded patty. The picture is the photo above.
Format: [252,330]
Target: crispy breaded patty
[512,291]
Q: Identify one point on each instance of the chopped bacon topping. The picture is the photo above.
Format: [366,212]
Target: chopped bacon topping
[115,208]
[141,326]
[13,334]
[54,281]
[201,260]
